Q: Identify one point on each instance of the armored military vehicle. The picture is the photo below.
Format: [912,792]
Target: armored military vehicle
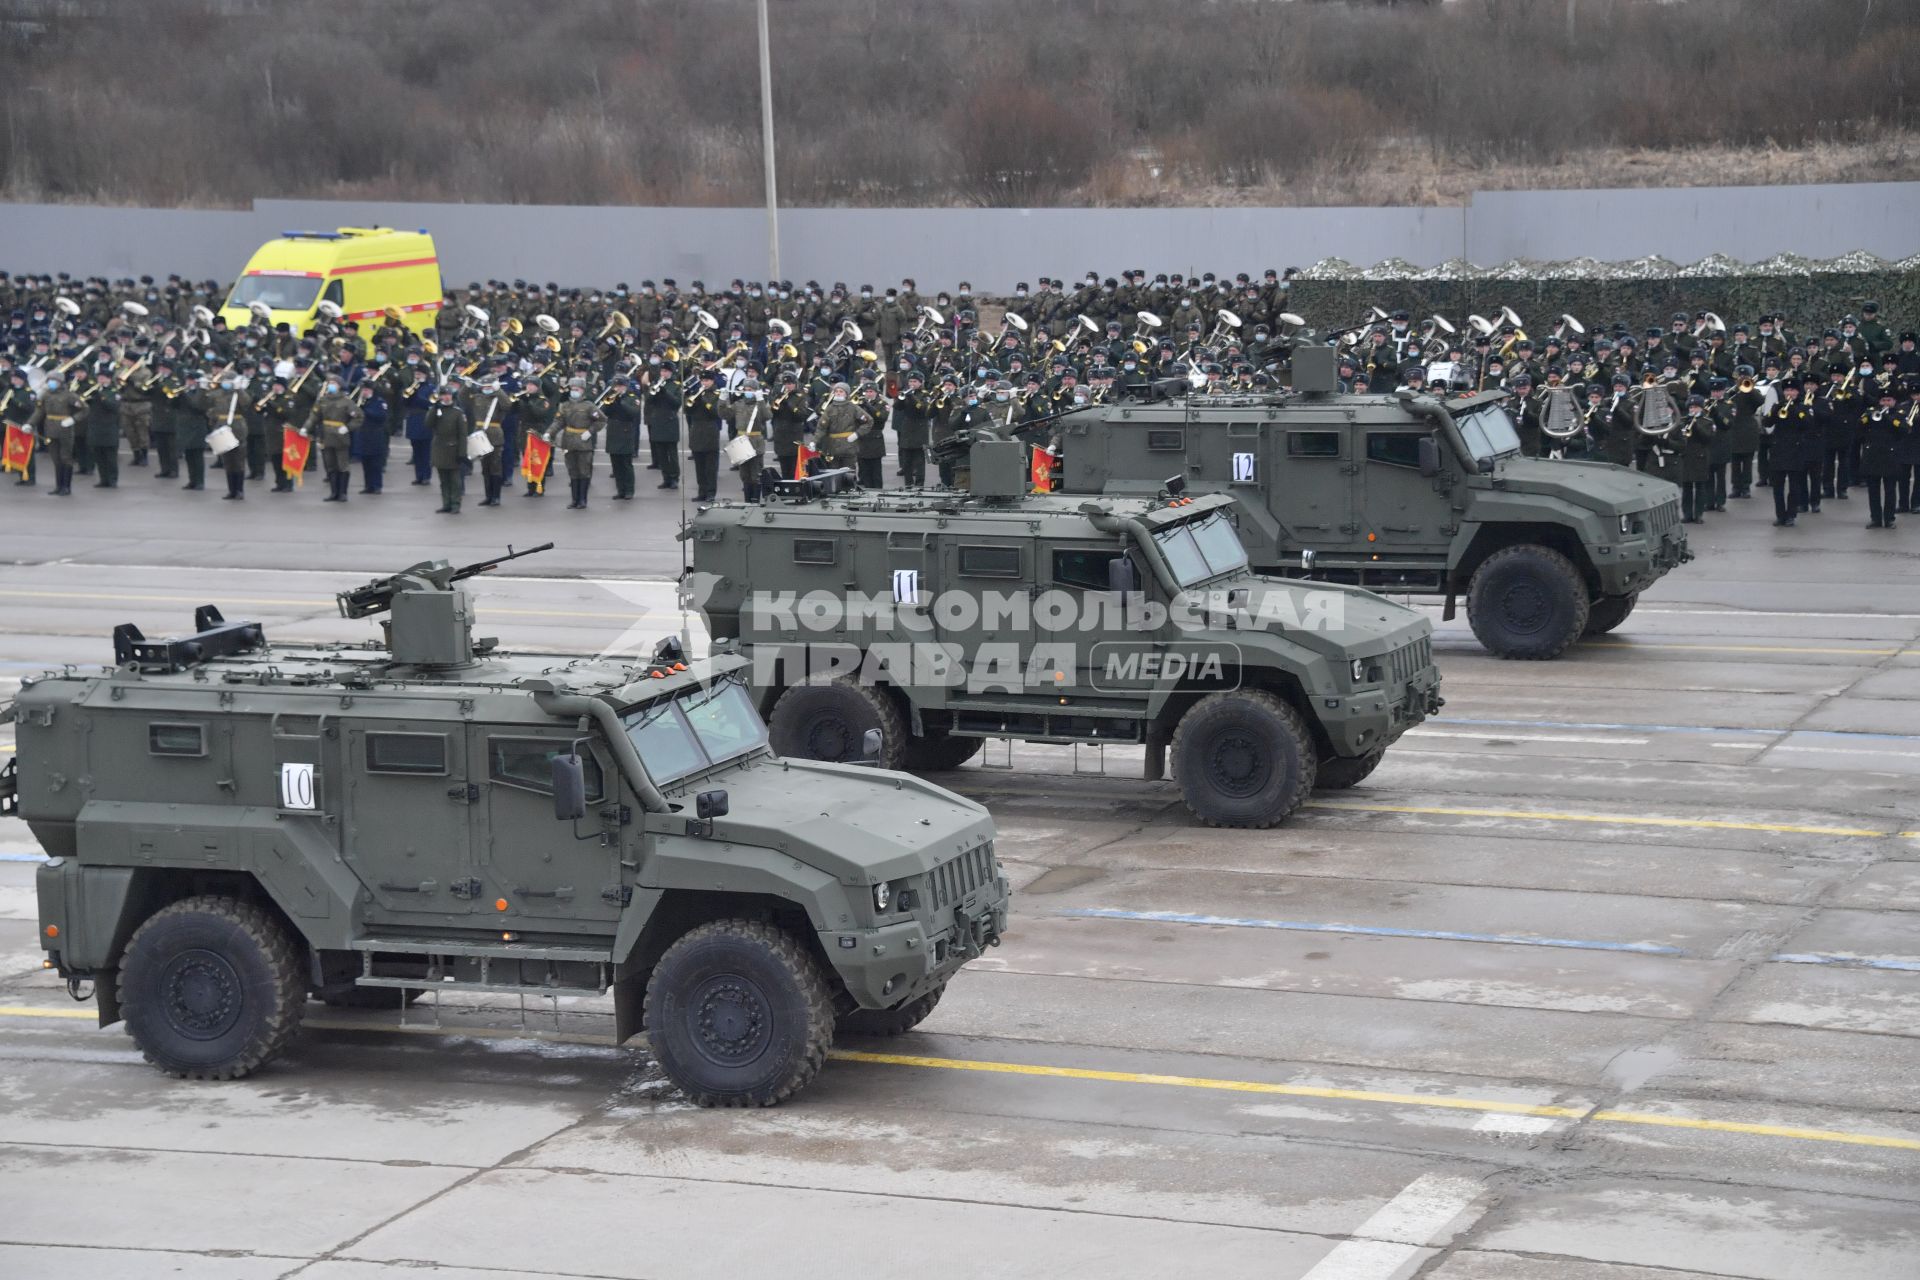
[940,618]
[234,825]
[1400,493]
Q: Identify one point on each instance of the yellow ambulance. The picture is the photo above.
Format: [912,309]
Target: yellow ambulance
[365,271]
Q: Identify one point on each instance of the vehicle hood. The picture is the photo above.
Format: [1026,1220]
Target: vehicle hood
[1597,486]
[1328,618]
[859,825]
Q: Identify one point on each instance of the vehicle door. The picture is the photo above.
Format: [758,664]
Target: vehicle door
[1398,505]
[409,805]
[567,873]
[985,609]
[1235,457]
[1312,486]
[1111,652]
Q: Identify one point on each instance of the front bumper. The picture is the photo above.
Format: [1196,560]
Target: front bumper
[890,965]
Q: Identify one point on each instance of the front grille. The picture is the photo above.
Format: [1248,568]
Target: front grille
[1663,518]
[1409,660]
[953,880]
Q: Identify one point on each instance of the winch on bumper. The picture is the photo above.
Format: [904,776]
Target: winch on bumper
[957,911]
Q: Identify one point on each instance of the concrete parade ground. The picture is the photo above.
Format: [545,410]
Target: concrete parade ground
[1610,972]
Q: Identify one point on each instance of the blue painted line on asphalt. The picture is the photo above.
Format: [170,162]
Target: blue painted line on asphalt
[1669,728]
[1846,962]
[23,857]
[1305,926]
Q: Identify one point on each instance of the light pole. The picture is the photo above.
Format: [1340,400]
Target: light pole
[766,147]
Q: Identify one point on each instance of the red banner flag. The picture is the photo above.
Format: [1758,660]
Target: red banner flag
[807,454]
[1041,470]
[19,449]
[294,449]
[534,459]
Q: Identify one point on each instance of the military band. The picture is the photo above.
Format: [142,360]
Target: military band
[531,380]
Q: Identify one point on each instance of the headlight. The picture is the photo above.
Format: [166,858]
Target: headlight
[1359,670]
[1626,524]
[882,895]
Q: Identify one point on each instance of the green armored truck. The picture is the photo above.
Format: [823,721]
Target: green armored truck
[1400,493]
[235,825]
[940,618]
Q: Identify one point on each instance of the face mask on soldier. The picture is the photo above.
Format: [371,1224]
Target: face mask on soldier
[575,394]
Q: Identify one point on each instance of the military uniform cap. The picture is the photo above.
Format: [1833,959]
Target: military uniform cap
[1622,380]
[1523,378]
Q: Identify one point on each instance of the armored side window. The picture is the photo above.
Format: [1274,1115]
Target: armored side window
[527,763]
[1083,567]
[1313,444]
[421,753]
[813,550]
[176,739]
[1395,448]
[990,562]
[1174,441]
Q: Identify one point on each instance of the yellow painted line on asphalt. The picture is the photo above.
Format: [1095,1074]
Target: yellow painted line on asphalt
[1369,1095]
[1209,1082]
[1599,819]
[1739,648]
[1214,1084]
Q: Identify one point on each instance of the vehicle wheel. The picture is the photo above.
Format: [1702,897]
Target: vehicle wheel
[1243,759]
[938,752]
[739,1015]
[211,988]
[371,997]
[891,1022]
[1608,612]
[1527,602]
[827,719]
[1337,773]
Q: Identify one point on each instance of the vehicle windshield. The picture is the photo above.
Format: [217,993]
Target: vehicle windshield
[282,293]
[1201,549]
[1489,433]
[697,730]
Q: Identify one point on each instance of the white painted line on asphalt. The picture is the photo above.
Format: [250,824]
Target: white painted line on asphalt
[1527,1125]
[1739,746]
[1400,1229]
[1365,1260]
[1846,751]
[1495,736]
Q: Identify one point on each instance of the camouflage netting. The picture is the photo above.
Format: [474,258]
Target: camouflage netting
[1647,291]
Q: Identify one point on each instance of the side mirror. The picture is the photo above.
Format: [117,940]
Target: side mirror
[1122,574]
[709,805]
[569,789]
[1429,456]
[870,747]
[1486,466]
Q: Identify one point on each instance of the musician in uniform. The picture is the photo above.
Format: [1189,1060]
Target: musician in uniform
[55,420]
[1722,444]
[788,412]
[373,441]
[1789,430]
[911,413]
[703,412]
[533,417]
[1880,430]
[102,429]
[241,416]
[660,393]
[1694,433]
[17,410]
[623,413]
[841,421]
[576,429]
[1740,422]
[748,421]
[330,425]
[446,429]
[871,451]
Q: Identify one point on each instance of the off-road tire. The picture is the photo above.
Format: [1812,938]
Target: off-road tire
[211,988]
[1337,773]
[1608,612]
[938,752]
[738,1014]
[1243,758]
[1527,602]
[825,719]
[891,1022]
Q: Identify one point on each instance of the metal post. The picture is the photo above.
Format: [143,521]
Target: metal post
[766,147]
